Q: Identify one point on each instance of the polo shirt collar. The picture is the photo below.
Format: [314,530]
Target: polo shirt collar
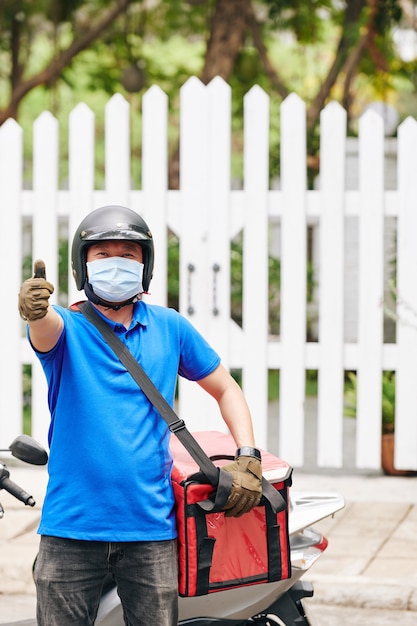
[140,316]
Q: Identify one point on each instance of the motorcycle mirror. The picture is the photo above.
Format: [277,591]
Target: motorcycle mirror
[27,449]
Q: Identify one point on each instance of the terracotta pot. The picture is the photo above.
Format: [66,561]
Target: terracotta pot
[387,457]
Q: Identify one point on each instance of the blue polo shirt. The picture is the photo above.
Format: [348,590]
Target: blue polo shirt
[110,465]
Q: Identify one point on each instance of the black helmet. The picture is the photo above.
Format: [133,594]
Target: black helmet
[106,223]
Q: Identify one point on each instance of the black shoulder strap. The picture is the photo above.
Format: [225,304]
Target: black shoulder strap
[220,479]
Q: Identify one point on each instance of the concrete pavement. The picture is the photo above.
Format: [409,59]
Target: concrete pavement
[369,566]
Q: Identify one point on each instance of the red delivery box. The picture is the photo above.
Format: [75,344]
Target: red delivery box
[218,552]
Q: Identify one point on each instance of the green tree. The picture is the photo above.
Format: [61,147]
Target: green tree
[320,49]
[357,35]
[70,26]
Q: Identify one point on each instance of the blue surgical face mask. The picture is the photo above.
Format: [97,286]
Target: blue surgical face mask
[115,278]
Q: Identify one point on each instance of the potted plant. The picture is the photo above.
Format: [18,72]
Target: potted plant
[388,422]
[387,419]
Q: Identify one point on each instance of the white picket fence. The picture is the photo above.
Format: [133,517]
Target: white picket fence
[206,214]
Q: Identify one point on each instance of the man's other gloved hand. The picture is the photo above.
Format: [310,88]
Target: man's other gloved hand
[34,294]
[246,489]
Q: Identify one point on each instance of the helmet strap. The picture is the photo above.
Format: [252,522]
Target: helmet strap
[109,305]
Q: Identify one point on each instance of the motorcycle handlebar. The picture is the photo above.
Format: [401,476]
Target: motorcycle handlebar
[16,491]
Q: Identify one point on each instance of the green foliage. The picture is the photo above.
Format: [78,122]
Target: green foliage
[350,395]
[304,19]
[63,264]
[388,399]
[27,398]
[173,271]
[236,279]
[389,12]
[166,42]
[27,267]
[311,383]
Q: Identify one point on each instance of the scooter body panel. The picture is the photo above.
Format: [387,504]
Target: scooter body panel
[310,507]
[234,604]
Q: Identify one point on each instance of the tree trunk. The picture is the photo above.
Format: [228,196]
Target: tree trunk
[347,44]
[270,70]
[229,23]
[228,26]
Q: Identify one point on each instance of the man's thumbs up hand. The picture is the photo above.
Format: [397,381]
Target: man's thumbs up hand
[39,269]
[35,293]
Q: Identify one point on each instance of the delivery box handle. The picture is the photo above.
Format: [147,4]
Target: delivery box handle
[218,499]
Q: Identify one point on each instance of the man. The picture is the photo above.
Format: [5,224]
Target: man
[109,504]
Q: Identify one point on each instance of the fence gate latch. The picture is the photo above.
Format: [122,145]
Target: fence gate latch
[216,270]
[190,308]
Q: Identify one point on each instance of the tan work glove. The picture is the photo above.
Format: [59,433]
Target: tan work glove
[34,294]
[246,489]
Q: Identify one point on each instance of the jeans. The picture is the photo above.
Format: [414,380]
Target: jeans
[69,576]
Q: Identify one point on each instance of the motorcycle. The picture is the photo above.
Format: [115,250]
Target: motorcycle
[275,603]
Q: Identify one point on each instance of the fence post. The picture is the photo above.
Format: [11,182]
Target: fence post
[293,279]
[371,291]
[81,177]
[331,286]
[11,168]
[45,243]
[406,403]
[117,151]
[194,195]
[155,183]
[255,259]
